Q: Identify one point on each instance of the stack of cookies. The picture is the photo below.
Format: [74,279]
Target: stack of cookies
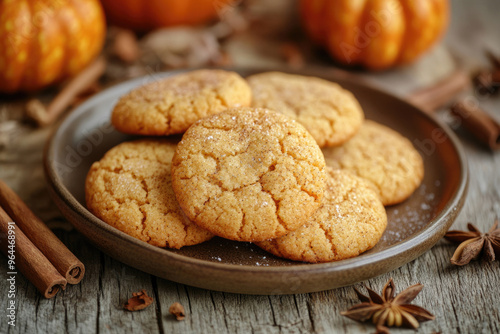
[284,161]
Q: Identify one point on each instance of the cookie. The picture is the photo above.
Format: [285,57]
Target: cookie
[169,106]
[350,221]
[248,174]
[130,189]
[330,113]
[382,156]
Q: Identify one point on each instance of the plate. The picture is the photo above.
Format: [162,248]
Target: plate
[414,226]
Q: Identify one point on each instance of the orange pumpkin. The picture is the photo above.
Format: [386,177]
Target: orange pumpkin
[44,41]
[376,34]
[149,14]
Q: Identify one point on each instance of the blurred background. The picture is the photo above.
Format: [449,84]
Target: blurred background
[55,54]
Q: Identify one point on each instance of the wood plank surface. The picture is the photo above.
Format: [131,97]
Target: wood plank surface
[464,299]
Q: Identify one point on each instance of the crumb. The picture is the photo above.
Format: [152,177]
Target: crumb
[177,310]
[140,300]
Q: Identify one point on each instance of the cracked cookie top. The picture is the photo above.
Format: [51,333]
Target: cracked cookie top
[130,189]
[169,106]
[330,113]
[350,221]
[382,156]
[248,174]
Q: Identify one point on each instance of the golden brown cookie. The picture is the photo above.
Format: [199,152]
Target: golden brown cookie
[350,221]
[169,106]
[330,113]
[248,174]
[130,189]
[383,157]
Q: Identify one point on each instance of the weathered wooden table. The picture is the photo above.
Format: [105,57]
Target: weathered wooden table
[464,299]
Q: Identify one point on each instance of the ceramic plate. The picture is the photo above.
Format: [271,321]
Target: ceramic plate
[414,226]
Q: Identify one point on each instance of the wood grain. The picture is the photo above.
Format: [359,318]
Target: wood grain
[464,299]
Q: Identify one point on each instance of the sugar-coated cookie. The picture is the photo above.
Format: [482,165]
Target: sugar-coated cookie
[130,189]
[248,174]
[382,156]
[330,113]
[170,105]
[350,221]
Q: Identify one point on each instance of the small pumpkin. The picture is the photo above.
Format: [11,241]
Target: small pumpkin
[45,41]
[376,34]
[143,15]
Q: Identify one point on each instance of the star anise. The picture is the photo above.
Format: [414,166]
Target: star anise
[387,310]
[475,243]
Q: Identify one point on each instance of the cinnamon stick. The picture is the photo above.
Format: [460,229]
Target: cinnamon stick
[82,81]
[26,257]
[475,120]
[478,122]
[45,240]
[431,98]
